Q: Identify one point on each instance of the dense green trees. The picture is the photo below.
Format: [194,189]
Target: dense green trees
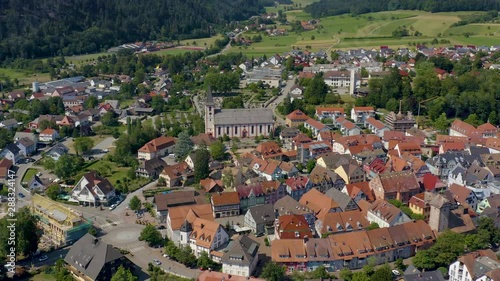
[83,145]
[222,82]
[183,146]
[201,161]
[127,144]
[123,274]
[335,7]
[449,245]
[65,167]
[273,272]
[26,238]
[316,90]
[92,26]
[134,203]
[217,150]
[151,235]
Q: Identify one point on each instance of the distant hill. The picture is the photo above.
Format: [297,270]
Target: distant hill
[31,29]
[325,8]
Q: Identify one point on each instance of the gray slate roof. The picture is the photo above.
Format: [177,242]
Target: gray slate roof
[341,198]
[263,213]
[89,255]
[243,251]
[244,116]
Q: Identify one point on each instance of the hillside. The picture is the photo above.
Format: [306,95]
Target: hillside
[31,29]
[337,7]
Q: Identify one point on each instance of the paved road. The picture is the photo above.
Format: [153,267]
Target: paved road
[227,47]
[98,150]
[280,99]
[52,257]
[120,208]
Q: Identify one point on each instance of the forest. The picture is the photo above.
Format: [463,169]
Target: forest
[35,29]
[325,8]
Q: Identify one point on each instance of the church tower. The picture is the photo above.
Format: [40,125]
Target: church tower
[209,113]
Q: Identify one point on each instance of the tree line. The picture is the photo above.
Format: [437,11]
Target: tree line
[325,8]
[37,29]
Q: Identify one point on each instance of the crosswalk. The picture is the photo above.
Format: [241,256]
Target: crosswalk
[136,247]
[107,224]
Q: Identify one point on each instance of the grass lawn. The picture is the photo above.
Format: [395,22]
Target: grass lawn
[29,174]
[201,41]
[25,77]
[82,59]
[171,51]
[373,30]
[43,277]
[113,173]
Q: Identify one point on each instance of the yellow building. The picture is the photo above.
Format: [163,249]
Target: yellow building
[59,223]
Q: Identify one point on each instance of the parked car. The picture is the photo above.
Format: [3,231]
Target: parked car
[43,258]
[396,272]
[112,207]
[39,174]
[20,195]
[166,256]
[157,262]
[161,227]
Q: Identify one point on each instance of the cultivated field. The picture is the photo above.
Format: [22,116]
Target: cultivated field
[373,30]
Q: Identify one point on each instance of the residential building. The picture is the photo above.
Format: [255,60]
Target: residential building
[250,195]
[360,114]
[345,202]
[37,184]
[400,122]
[297,186]
[48,135]
[385,214]
[341,79]
[464,196]
[242,122]
[261,219]
[163,201]
[11,152]
[339,222]
[9,124]
[203,235]
[473,266]
[346,127]
[57,151]
[315,127]
[5,166]
[241,258]
[212,186]
[158,147]
[375,126]
[91,259]
[92,190]
[273,191]
[210,275]
[359,191]
[329,112]
[292,227]
[350,173]
[225,204]
[320,203]
[268,150]
[311,150]
[296,118]
[324,179]
[60,224]
[289,206]
[182,217]
[26,146]
[176,174]
[150,168]
[395,185]
[287,134]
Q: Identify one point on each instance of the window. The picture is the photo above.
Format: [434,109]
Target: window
[218,131]
[252,129]
[268,128]
[236,129]
[297,234]
[227,131]
[260,129]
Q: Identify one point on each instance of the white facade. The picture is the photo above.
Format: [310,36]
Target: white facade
[243,131]
[48,137]
[221,237]
[459,272]
[240,270]
[376,218]
[360,115]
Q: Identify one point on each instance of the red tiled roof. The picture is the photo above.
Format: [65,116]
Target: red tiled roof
[225,198]
[320,110]
[293,227]
[297,115]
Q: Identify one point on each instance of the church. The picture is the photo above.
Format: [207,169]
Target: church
[241,122]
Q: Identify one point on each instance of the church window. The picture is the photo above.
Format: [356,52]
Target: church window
[235,129]
[227,131]
[260,129]
[218,131]
[252,130]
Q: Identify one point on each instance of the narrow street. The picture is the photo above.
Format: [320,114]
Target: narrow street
[285,91]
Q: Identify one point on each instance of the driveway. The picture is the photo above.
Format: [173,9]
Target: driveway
[98,150]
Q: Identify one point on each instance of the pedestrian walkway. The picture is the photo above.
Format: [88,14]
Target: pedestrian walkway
[109,224]
[136,247]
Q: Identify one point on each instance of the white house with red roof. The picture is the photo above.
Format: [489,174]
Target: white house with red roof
[48,135]
[360,114]
[158,147]
[92,190]
[375,126]
[347,127]
[315,127]
[329,112]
